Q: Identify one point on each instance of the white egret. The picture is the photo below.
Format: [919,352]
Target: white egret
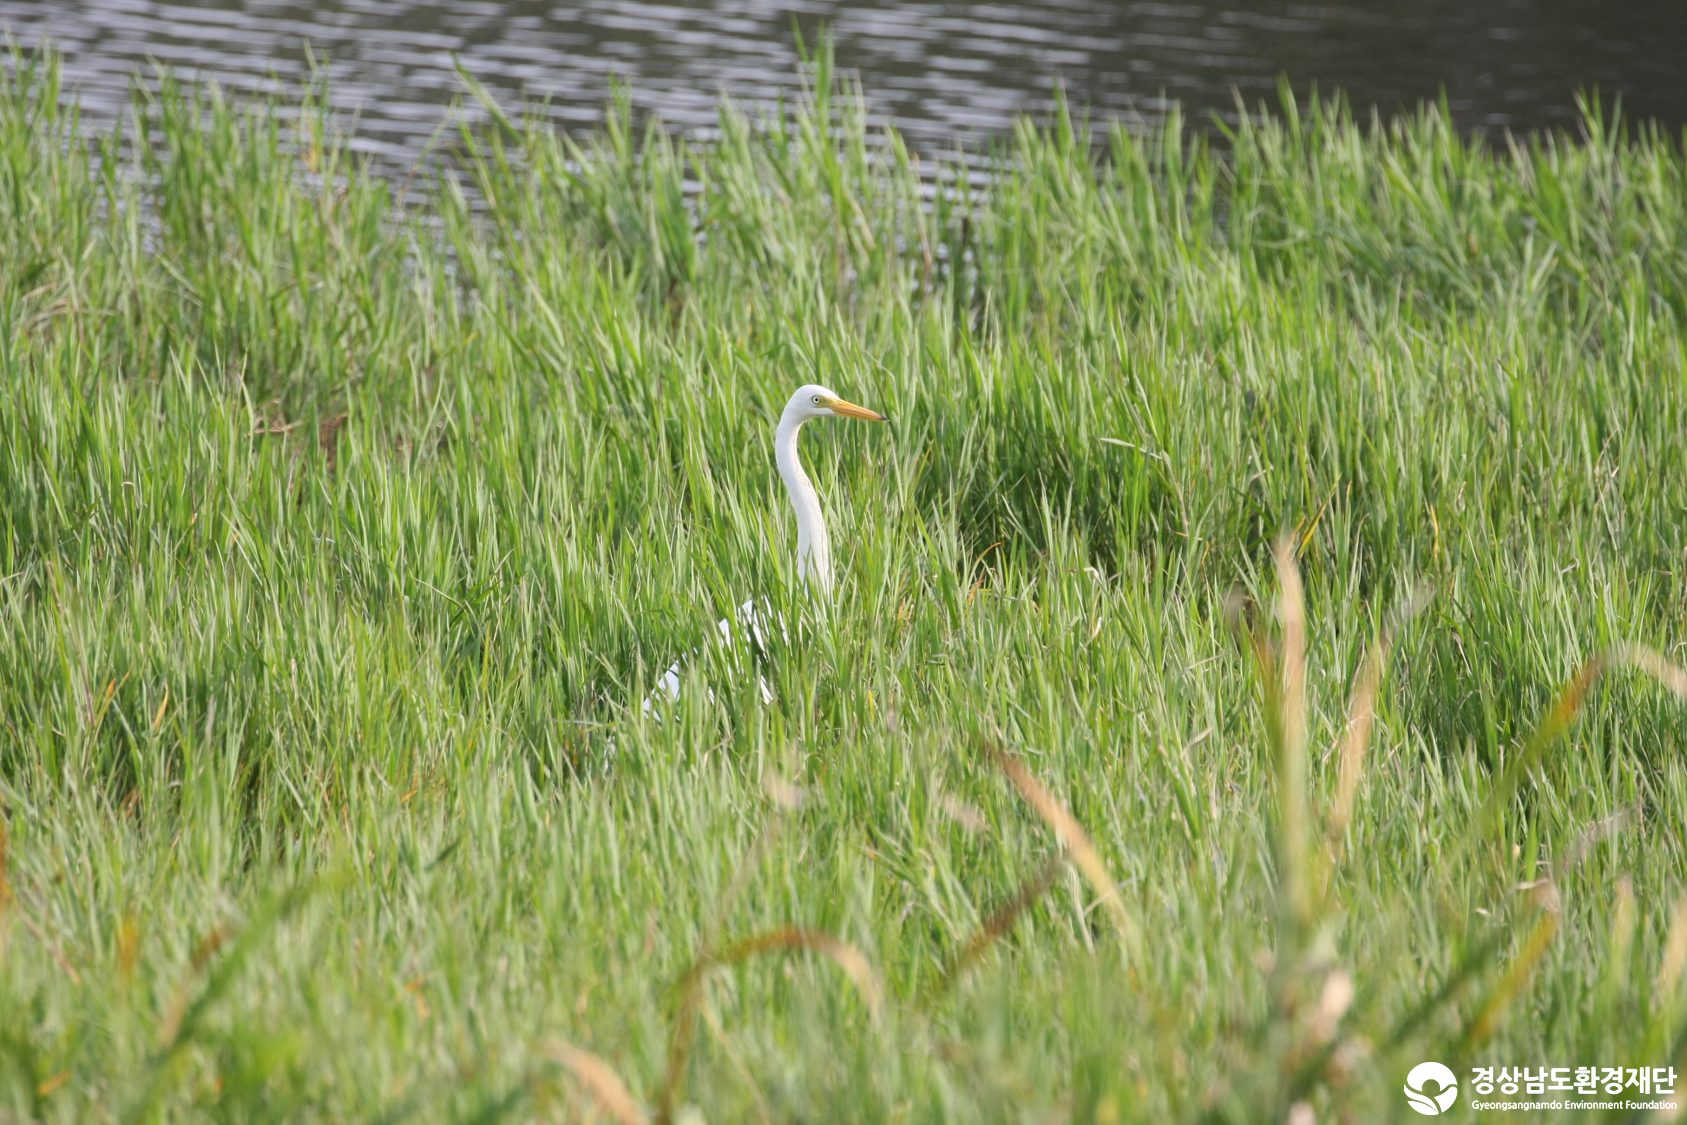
[814,548]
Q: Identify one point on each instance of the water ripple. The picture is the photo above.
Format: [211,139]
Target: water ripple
[944,72]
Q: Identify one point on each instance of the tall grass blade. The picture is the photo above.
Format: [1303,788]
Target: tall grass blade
[1514,980]
[1563,712]
[1001,921]
[1070,835]
[841,953]
[185,1018]
[1674,959]
[599,1078]
[1355,739]
[1290,738]
[1361,714]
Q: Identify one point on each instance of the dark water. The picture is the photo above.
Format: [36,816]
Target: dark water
[942,71]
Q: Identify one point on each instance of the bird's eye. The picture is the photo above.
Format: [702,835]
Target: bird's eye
[817,400]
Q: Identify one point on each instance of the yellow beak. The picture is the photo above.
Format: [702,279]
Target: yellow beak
[850,410]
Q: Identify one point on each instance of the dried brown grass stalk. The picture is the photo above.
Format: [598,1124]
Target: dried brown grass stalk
[170,1029]
[1514,980]
[5,890]
[1290,735]
[1590,837]
[1627,655]
[843,954]
[1356,738]
[52,947]
[328,439]
[1291,614]
[1675,953]
[999,923]
[599,1078]
[1564,711]
[1361,717]
[1076,841]
[5,873]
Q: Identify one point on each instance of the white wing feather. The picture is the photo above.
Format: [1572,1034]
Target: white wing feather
[752,622]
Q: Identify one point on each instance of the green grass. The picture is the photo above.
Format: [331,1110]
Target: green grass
[341,536]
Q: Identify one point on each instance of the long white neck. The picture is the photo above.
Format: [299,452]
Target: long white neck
[814,550]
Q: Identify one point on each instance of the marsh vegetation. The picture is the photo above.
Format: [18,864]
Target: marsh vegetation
[1254,668]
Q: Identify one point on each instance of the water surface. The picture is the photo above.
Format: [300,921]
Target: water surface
[943,72]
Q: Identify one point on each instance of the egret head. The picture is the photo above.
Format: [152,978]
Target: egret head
[815,401]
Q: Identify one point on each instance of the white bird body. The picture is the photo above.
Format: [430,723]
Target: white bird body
[749,625]
[814,547]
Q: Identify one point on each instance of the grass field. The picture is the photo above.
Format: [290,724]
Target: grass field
[343,528]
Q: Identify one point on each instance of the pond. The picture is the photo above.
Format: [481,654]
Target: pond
[944,72]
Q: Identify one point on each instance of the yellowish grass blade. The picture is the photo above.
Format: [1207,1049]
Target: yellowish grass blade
[5,872]
[1647,660]
[1077,842]
[1563,713]
[963,814]
[202,954]
[1291,734]
[1591,836]
[1675,953]
[843,954]
[1361,717]
[1516,977]
[5,892]
[1356,739]
[999,923]
[1291,614]
[600,1079]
